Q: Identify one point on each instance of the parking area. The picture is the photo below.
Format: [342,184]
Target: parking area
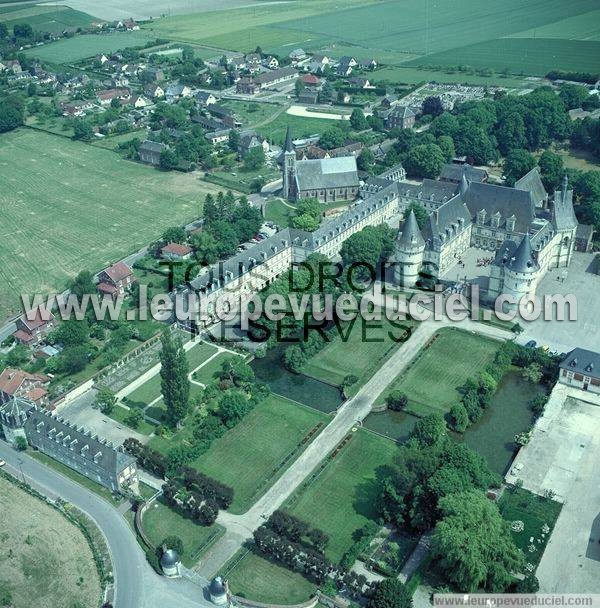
[562,457]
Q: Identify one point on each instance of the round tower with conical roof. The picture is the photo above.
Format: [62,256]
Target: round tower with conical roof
[520,272]
[408,253]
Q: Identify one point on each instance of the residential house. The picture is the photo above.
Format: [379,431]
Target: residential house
[310,81]
[139,101]
[297,55]
[344,67]
[76,108]
[106,96]
[205,98]
[131,25]
[274,77]
[368,64]
[359,82]
[33,326]
[175,91]
[225,115]
[253,59]
[176,251]
[320,59]
[250,140]
[120,80]
[116,279]
[453,172]
[18,383]
[208,123]
[402,117]
[309,96]
[150,151]
[156,74]
[271,62]
[13,65]
[238,63]
[217,137]
[101,59]
[154,91]
[388,102]
[581,369]
[247,86]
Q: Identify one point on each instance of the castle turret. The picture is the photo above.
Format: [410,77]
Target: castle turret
[565,224]
[408,256]
[289,167]
[521,271]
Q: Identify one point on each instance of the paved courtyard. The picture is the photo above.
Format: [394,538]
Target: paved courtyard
[563,457]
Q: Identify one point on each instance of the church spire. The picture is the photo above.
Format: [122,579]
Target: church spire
[289,146]
[411,235]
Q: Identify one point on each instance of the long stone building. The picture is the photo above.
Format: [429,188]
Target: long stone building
[461,215]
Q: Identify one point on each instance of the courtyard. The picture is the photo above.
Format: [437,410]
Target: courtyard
[562,458]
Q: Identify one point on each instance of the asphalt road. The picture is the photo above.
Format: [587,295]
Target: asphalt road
[136,584]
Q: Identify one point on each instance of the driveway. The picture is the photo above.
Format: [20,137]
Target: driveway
[136,584]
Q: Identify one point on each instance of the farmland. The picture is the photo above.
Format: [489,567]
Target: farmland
[69,50]
[108,207]
[47,561]
[451,358]
[44,18]
[340,499]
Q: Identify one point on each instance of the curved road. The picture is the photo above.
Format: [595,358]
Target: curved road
[136,584]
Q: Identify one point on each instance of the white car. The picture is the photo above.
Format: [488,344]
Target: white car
[2,462]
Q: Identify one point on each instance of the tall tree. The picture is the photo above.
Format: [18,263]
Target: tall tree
[174,381]
[474,545]
[517,164]
[551,169]
[390,593]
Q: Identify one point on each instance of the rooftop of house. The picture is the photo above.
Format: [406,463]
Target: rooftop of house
[119,271]
[453,172]
[34,320]
[176,249]
[11,379]
[582,361]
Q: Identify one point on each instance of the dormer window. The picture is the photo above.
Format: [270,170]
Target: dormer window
[510,223]
[496,219]
[481,215]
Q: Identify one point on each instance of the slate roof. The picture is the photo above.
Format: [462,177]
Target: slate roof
[267,77]
[582,361]
[503,200]
[338,172]
[410,236]
[430,190]
[522,260]
[563,214]
[532,183]
[454,172]
[448,217]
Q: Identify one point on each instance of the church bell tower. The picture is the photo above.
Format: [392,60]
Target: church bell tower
[289,168]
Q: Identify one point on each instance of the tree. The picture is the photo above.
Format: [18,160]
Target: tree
[83,130]
[22,30]
[332,137]
[299,86]
[424,160]
[358,121]
[73,359]
[446,145]
[551,169]
[174,234]
[31,89]
[105,400]
[234,140]
[233,406]
[510,132]
[430,430]
[206,247]
[168,159]
[366,161]
[3,31]
[71,333]
[390,593]
[573,95]
[11,115]
[21,443]
[173,542]
[517,164]
[532,373]
[82,284]
[174,378]
[254,159]
[134,418]
[420,212]
[473,543]
[459,419]
[367,248]
[432,106]
[396,401]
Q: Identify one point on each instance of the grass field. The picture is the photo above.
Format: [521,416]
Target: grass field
[522,55]
[279,212]
[160,521]
[585,26]
[52,19]
[258,579]
[369,342]
[251,456]
[534,511]
[302,126]
[70,50]
[341,499]
[207,373]
[120,414]
[432,379]
[67,206]
[47,561]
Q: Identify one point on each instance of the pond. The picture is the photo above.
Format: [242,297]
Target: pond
[492,436]
[298,387]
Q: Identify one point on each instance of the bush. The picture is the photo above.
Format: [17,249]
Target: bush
[459,418]
[396,401]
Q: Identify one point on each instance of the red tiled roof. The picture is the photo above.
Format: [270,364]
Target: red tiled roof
[37,321]
[37,393]
[177,249]
[310,79]
[11,379]
[22,336]
[107,288]
[118,272]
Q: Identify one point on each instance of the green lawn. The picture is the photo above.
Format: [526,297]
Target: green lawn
[70,50]
[535,512]
[258,579]
[52,19]
[370,344]
[120,414]
[160,521]
[440,368]
[341,498]
[301,126]
[252,455]
[76,477]
[67,206]
[206,374]
[277,211]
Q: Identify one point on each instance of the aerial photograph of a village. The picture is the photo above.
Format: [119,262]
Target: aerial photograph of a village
[299,303]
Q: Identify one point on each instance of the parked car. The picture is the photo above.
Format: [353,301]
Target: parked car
[531,344]
[2,462]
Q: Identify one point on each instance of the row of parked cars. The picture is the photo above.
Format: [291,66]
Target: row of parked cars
[268,229]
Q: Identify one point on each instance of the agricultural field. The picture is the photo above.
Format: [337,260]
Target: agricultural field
[340,498]
[522,56]
[160,521]
[47,561]
[49,18]
[451,358]
[257,578]
[250,456]
[109,207]
[70,50]
[302,126]
[370,343]
[585,26]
